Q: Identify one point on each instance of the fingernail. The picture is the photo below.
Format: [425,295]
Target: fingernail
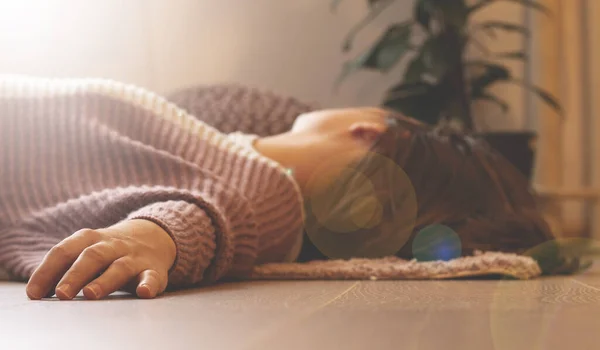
[148,291]
[34,291]
[64,292]
[92,291]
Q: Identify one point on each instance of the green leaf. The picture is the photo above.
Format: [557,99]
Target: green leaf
[548,98]
[422,12]
[519,55]
[390,48]
[492,73]
[545,96]
[437,56]
[530,3]
[351,67]
[479,5]
[490,26]
[375,3]
[533,4]
[370,17]
[563,255]
[491,98]
[404,89]
[414,70]
[372,3]
[421,101]
[382,56]
[454,12]
[432,61]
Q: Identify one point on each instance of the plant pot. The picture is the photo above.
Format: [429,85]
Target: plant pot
[518,147]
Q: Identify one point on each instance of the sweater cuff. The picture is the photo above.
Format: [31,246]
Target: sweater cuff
[193,232]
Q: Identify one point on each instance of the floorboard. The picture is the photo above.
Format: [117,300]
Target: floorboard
[548,313]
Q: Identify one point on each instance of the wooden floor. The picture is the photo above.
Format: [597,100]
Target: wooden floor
[545,314]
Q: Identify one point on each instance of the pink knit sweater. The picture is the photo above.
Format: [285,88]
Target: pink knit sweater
[89,153]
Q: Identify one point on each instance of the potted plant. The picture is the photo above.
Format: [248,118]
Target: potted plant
[441,82]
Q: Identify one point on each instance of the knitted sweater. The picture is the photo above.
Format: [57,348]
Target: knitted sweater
[234,107]
[89,153]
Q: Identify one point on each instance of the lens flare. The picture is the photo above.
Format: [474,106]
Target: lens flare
[436,242]
[365,211]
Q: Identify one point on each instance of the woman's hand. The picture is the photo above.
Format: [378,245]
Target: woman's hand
[134,255]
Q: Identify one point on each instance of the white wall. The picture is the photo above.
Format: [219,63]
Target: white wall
[105,38]
[292,47]
[289,46]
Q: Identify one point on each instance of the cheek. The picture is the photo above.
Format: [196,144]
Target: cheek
[313,122]
[302,123]
[328,163]
[345,152]
[296,126]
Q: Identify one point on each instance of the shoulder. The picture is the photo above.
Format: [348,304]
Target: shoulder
[232,107]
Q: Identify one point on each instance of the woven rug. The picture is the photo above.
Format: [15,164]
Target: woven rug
[393,268]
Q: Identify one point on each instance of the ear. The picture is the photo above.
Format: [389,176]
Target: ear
[366,132]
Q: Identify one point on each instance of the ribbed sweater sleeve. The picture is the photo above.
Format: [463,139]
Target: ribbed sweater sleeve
[210,243]
[193,232]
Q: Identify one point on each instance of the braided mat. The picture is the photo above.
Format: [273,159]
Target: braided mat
[393,268]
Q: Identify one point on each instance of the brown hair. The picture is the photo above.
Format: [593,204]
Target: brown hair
[455,181]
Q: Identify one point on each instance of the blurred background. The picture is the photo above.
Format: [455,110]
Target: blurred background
[297,48]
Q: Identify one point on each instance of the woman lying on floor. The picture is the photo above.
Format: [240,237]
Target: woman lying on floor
[107,187]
